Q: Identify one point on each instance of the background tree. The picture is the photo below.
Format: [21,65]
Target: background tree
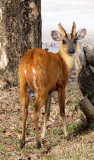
[20,30]
[85,73]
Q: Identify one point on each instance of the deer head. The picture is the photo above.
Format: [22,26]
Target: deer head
[68,42]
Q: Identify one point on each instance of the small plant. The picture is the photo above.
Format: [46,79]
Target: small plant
[2,149]
[32,134]
[89,94]
[72,128]
[77,107]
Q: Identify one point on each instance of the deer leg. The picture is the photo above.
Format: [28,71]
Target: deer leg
[61,97]
[47,113]
[40,101]
[25,102]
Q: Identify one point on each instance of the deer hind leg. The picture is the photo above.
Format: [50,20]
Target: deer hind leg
[25,102]
[61,97]
[46,116]
[40,101]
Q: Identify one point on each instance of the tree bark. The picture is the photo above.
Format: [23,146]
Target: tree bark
[86,83]
[89,54]
[85,73]
[20,30]
[31,24]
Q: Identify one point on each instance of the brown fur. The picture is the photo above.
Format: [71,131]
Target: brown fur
[49,68]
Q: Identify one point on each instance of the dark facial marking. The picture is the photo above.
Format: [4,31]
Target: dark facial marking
[70,42]
[63,41]
[75,41]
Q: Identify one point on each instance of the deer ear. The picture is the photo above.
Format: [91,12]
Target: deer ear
[56,35]
[81,34]
[74,29]
[62,30]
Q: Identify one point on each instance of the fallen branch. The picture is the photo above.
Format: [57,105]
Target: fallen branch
[87,108]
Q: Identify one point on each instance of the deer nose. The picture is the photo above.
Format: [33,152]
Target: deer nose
[71,50]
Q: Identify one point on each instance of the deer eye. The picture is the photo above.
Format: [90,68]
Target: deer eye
[64,42]
[75,41]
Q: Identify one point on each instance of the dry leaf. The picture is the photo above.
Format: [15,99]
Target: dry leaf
[18,135]
[8,133]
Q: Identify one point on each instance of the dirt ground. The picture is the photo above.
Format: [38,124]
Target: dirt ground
[79,145]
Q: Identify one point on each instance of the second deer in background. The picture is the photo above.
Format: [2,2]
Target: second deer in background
[44,72]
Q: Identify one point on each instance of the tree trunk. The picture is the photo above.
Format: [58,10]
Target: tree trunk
[86,82]
[20,30]
[89,54]
[85,73]
[31,24]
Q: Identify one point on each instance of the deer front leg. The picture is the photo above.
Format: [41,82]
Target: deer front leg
[61,98]
[46,116]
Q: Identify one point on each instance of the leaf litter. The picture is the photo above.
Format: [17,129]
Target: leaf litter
[80,145]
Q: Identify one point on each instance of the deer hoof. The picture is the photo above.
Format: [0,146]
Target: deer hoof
[39,145]
[22,145]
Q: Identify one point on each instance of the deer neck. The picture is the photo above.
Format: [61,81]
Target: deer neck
[69,60]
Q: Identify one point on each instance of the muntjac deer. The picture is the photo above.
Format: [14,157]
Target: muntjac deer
[44,72]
